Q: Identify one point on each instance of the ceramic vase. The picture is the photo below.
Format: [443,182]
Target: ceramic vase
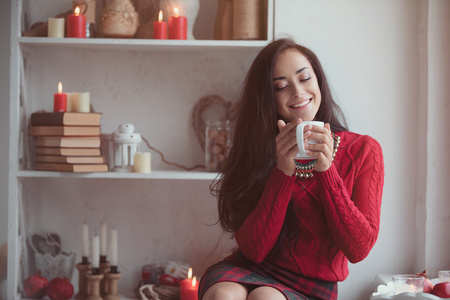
[119,19]
[61,265]
[187,8]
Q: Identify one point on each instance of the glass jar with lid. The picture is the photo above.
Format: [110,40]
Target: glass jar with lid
[217,144]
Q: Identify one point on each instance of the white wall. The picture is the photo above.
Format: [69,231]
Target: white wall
[377,59]
[437,158]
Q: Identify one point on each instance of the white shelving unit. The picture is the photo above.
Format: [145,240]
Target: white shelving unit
[26,96]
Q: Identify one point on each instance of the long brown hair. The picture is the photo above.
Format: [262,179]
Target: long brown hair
[253,153]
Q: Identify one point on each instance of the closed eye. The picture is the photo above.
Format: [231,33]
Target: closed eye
[280,88]
[305,79]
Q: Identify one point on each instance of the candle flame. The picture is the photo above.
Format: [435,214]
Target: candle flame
[194,282]
[160,16]
[177,12]
[77,11]
[190,273]
[60,87]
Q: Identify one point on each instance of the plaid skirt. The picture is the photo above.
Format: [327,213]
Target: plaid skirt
[236,268]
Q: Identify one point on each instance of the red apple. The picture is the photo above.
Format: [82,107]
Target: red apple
[427,285]
[441,289]
[59,289]
[35,286]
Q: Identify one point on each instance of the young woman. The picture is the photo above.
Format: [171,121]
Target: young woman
[297,223]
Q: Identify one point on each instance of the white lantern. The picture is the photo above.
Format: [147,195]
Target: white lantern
[125,145]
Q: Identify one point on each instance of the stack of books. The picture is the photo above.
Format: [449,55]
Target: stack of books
[67,141]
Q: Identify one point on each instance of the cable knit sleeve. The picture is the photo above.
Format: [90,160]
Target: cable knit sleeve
[353,215]
[261,228]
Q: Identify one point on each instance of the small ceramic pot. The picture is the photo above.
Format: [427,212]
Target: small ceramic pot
[119,19]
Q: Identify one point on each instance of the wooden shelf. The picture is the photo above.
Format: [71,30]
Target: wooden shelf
[141,44]
[159,174]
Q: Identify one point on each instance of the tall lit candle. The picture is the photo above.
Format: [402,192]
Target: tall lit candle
[76,24]
[186,282]
[192,293]
[95,252]
[103,247]
[113,247]
[177,26]
[60,100]
[85,240]
[160,28]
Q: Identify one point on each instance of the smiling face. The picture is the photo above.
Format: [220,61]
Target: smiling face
[296,89]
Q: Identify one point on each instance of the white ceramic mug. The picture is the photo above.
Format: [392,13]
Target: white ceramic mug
[301,147]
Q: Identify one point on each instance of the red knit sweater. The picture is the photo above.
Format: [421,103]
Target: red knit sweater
[339,213]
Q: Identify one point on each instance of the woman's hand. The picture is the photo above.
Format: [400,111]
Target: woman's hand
[286,147]
[323,150]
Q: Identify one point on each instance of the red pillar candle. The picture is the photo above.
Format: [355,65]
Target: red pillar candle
[76,24]
[189,290]
[60,100]
[160,28]
[186,282]
[177,27]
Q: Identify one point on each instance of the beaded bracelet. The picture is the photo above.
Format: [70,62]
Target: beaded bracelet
[305,171]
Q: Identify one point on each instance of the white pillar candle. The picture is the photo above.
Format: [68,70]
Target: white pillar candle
[142,163]
[95,252]
[71,98]
[82,103]
[85,240]
[113,247]
[103,246]
[55,27]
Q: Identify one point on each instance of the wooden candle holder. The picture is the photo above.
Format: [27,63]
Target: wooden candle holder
[94,286]
[112,278]
[104,268]
[83,269]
